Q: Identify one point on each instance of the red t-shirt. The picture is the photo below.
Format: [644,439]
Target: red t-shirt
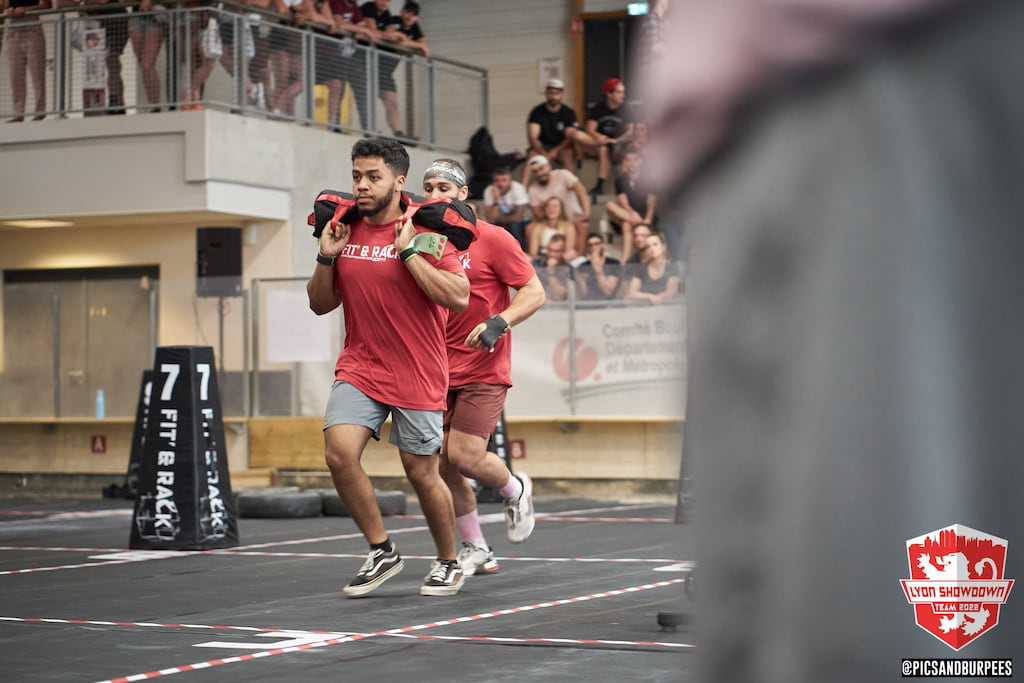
[494,262]
[394,334]
[349,11]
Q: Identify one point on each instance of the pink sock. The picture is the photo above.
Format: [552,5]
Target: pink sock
[469,528]
[512,488]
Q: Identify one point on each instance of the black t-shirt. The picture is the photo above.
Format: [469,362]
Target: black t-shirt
[634,195]
[385,19]
[610,122]
[414,32]
[612,267]
[648,284]
[382,19]
[552,123]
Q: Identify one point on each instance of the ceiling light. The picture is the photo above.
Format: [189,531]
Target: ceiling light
[38,223]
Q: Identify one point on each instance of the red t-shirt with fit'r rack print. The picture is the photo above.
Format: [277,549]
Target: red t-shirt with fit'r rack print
[394,348]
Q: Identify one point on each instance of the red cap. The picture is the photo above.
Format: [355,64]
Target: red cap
[610,85]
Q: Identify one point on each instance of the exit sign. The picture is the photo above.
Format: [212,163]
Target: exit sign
[636,8]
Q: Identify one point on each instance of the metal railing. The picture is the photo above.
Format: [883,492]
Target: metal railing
[239,59]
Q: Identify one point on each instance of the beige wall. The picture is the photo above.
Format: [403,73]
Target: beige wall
[66,447]
[137,188]
[555,449]
[616,450]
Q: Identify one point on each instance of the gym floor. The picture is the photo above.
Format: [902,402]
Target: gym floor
[580,600]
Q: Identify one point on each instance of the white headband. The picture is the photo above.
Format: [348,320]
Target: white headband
[445,170]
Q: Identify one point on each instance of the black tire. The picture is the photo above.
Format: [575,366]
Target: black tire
[251,491]
[279,504]
[331,503]
[389,502]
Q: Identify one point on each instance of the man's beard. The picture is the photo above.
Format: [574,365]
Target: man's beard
[379,205]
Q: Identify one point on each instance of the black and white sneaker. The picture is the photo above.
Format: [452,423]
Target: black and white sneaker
[378,568]
[445,578]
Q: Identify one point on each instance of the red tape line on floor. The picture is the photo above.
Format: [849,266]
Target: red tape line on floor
[346,638]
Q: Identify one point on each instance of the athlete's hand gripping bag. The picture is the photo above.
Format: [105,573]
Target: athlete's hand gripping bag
[332,206]
[450,217]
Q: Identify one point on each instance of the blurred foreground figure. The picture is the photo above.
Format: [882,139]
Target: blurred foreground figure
[851,171]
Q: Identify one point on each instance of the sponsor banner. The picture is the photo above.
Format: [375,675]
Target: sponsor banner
[184,497]
[624,360]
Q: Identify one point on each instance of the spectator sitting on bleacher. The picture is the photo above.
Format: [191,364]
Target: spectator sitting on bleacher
[507,204]
[658,279]
[554,270]
[640,137]
[641,232]
[552,129]
[549,222]
[561,183]
[597,278]
[608,128]
[631,205]
[639,255]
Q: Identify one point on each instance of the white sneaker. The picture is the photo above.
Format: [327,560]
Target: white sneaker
[474,558]
[257,96]
[519,517]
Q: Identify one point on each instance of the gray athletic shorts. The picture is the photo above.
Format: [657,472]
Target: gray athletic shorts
[414,431]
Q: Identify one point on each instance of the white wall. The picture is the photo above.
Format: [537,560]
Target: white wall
[508,39]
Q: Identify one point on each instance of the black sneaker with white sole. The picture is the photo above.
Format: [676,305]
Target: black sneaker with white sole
[445,578]
[378,568]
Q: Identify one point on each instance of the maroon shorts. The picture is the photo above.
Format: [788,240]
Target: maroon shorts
[474,408]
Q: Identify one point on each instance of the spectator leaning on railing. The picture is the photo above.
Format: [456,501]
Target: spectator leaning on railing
[26,52]
[286,56]
[405,31]
[147,29]
[114,22]
[349,20]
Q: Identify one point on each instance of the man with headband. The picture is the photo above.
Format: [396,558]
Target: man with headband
[479,374]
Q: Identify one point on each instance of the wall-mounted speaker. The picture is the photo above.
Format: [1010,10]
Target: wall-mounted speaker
[218,262]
